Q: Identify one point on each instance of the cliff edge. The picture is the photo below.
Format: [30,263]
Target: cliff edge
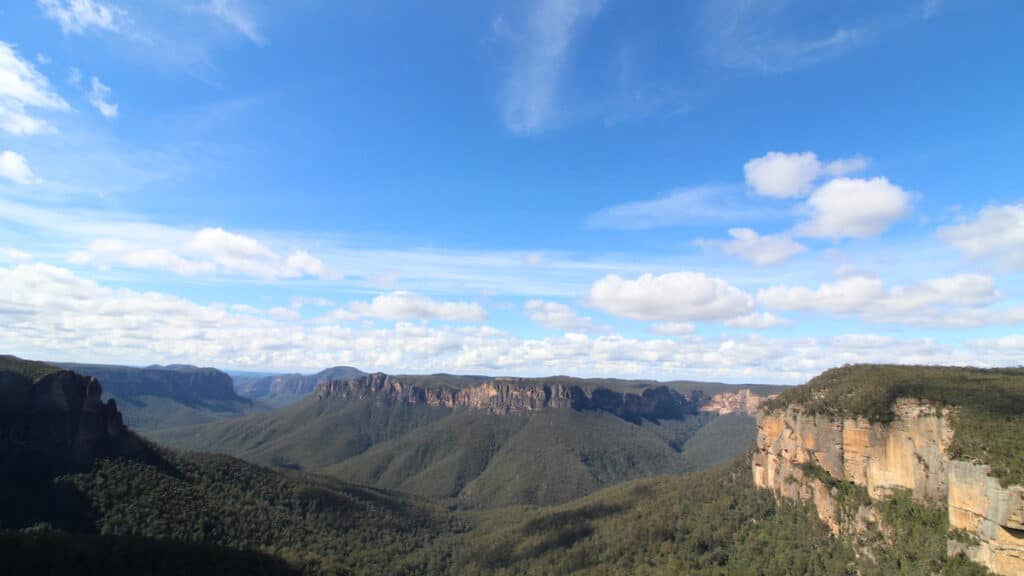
[834,444]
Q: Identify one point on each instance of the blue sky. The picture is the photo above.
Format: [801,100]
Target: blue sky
[741,191]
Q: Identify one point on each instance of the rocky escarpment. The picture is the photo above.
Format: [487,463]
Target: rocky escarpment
[59,417]
[505,395]
[843,464]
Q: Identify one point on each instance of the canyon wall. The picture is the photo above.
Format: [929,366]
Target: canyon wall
[826,461]
[506,395]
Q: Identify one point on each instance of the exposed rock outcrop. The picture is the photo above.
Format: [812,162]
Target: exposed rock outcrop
[810,457]
[505,395]
[59,417]
[742,402]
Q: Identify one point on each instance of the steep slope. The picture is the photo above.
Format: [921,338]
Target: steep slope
[158,397]
[68,463]
[713,522]
[486,442]
[861,442]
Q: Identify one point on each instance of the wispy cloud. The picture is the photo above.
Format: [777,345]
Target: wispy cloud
[539,54]
[750,35]
[23,88]
[237,15]
[99,97]
[78,16]
[687,205]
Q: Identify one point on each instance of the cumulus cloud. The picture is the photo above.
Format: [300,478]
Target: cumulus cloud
[676,296]
[99,98]
[404,305]
[539,53]
[52,312]
[959,301]
[14,167]
[78,16]
[558,316]
[781,175]
[996,231]
[236,14]
[841,297]
[854,208]
[760,250]
[23,88]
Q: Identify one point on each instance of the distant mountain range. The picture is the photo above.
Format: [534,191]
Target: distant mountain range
[486,441]
[287,387]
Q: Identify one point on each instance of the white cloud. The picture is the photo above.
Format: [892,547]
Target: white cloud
[203,252]
[15,168]
[747,35]
[14,254]
[237,15]
[22,87]
[682,206]
[42,59]
[781,175]
[676,296]
[99,99]
[77,16]
[840,297]
[674,328]
[404,305]
[854,208]
[757,321]
[539,54]
[996,231]
[107,250]
[50,312]
[756,249]
[960,301]
[302,263]
[558,316]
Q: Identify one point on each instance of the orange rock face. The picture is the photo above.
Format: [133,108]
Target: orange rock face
[908,453]
[742,402]
[505,395]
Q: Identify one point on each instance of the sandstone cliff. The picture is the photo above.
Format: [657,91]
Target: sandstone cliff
[59,417]
[827,460]
[742,402]
[505,395]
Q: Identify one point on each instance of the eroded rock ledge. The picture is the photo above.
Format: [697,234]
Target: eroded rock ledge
[507,395]
[824,460]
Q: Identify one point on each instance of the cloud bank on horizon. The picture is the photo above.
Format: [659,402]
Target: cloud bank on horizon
[742,192]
